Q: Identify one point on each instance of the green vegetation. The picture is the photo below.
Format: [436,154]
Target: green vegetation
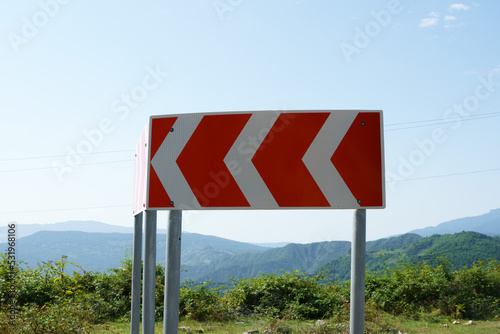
[206,258]
[51,300]
[462,249]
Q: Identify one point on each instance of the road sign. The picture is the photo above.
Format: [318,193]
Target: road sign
[320,159]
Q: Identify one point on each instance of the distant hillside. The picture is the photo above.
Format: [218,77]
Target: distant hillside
[462,249]
[101,251]
[24,230]
[289,258]
[271,244]
[488,224]
[202,253]
[392,243]
[94,251]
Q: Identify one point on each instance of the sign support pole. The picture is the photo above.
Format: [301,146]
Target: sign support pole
[135,309]
[149,278]
[357,322]
[172,273]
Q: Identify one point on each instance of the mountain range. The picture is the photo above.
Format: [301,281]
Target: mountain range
[488,224]
[208,257]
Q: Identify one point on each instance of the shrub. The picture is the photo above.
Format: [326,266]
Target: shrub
[8,275]
[57,318]
[110,292]
[413,288]
[409,288]
[200,303]
[476,292]
[291,295]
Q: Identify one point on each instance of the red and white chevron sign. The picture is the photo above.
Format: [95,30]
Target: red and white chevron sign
[261,160]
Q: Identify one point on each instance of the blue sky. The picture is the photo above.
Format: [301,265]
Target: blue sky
[79,81]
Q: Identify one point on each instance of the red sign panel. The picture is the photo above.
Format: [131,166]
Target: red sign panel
[262,160]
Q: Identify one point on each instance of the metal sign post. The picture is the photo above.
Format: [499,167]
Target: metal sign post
[357,323]
[172,273]
[149,276]
[135,308]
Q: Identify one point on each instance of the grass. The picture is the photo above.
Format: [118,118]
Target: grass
[431,325]
[384,324]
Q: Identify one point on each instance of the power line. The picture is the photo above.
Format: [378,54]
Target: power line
[448,121]
[70,209]
[89,164]
[64,155]
[445,175]
[441,119]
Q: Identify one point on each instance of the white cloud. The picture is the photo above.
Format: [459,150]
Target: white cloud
[458,6]
[434,14]
[449,18]
[428,22]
